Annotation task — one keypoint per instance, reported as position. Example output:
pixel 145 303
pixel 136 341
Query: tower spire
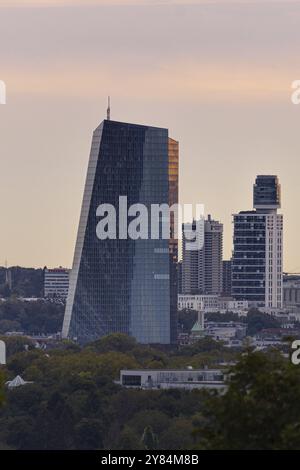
pixel 108 109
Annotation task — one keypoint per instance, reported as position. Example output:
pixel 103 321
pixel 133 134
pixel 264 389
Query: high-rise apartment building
pixel 125 285
pixel 202 268
pixel 192 270
pixel 213 256
pixel 257 265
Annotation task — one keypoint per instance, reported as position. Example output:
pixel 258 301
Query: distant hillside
pixel 25 282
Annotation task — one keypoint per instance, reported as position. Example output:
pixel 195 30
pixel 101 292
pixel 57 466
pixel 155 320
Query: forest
pixel 74 401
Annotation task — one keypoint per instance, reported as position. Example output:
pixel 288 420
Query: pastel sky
pixel 217 73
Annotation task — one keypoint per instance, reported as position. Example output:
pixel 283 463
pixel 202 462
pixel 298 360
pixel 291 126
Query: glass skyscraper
pixel 125 285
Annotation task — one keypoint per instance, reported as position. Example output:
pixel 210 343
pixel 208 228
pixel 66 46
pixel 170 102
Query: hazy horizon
pixel 217 73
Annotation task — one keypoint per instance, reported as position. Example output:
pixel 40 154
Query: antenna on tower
pixel 108 109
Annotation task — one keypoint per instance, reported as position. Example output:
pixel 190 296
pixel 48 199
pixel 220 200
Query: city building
pixel 212 304
pixel 202 268
pixel 213 255
pixel 193 259
pixel 179 277
pixel 227 273
pixel 56 283
pixel 121 284
pixel 226 332
pixel 203 303
pixel 266 194
pixel 173 378
pixel 229 304
pixel 257 264
pixel 291 291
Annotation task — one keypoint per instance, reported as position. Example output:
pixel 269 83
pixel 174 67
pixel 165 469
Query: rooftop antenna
pixel 108 109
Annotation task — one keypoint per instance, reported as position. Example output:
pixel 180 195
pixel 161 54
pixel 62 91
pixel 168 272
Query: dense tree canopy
pixel 33 317
pixel 26 282
pixel 257 321
pixel 261 409
pixel 74 401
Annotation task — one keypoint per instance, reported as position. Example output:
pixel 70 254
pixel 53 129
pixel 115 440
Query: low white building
pixel 204 303
pixel 173 378
pixel 56 283
pixel 225 331
pixel 226 304
pixel 212 304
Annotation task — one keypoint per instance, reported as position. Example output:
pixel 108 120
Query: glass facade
pixel 257 262
pixel 266 192
pixel 125 285
pixel 249 257
pixel 173 199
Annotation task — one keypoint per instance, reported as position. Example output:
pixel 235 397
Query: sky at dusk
pixel 217 73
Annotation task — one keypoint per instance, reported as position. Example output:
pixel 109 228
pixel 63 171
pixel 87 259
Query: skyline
pixel 219 79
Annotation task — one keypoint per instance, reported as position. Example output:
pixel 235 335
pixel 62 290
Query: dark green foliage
pixel 223 317
pixel 186 320
pixel 74 402
pixel 31 317
pixel 257 321
pixel 261 409
pixel 114 342
pixel 149 439
pixel 26 282
pixel 16 344
pixel 206 344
